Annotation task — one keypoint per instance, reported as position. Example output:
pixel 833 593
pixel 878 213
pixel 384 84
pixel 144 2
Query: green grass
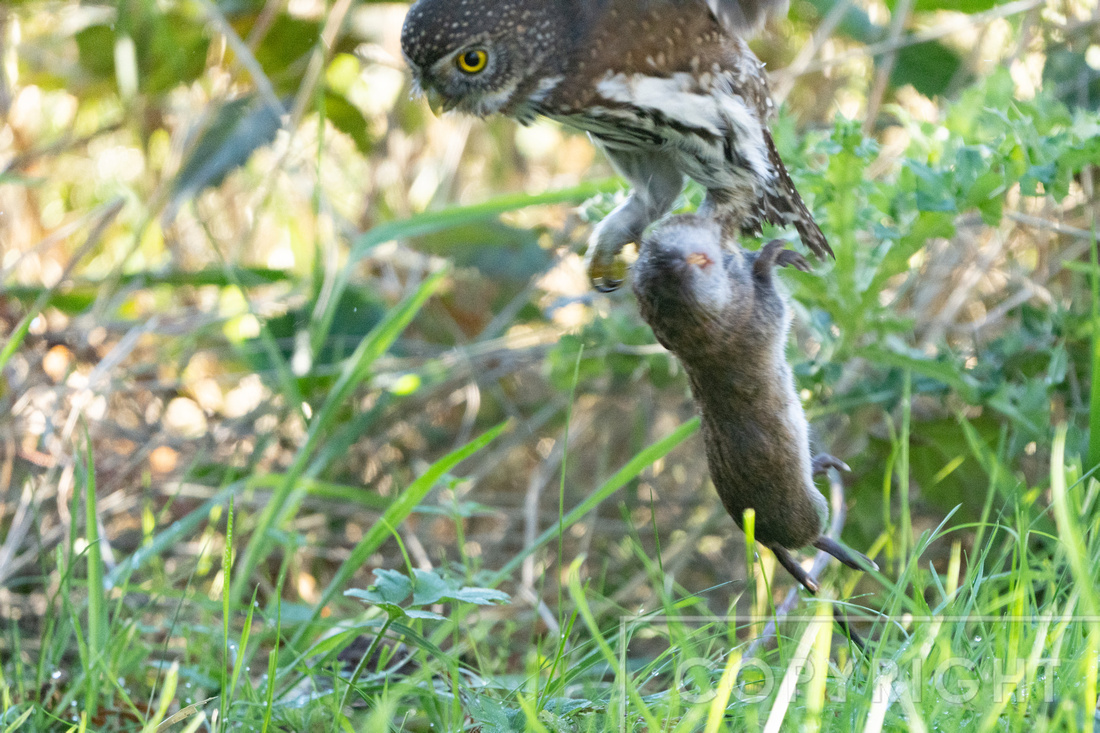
pixel 1003 637
pixel 371 544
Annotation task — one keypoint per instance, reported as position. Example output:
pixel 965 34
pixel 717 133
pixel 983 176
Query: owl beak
pixel 436 101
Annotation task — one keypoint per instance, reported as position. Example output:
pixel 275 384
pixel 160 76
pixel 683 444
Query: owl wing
pixel 745 17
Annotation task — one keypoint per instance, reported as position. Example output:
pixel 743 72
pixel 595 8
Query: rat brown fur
pixel 719 310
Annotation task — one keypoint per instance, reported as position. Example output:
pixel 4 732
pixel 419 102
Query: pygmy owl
pixel 666 88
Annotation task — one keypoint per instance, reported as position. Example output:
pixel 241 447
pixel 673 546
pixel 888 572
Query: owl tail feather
pixel 784 207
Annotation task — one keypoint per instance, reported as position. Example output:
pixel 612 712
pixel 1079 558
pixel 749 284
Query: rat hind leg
pixel 851 558
pixel 793 568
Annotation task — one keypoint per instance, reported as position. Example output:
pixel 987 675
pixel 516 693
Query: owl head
pixel 481 56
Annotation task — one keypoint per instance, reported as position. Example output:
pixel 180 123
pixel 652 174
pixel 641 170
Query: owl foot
pixel 605 270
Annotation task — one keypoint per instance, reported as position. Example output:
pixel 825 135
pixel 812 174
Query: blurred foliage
pixel 233 246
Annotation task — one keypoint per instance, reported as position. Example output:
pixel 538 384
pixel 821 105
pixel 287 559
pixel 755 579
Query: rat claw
pixel 774 253
pixel 792 567
pixel 822 462
pixel 789 257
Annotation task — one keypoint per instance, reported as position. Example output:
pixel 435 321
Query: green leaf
pixel 392 610
pixel 238 129
pixel 390 586
pixel 428 588
pixel 402 506
pixel 347 118
pixel 929 67
pixel 421 613
pixel 480 596
pixel 948 373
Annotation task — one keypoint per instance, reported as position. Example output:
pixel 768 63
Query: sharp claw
pixel 603 276
pixel 790 258
pixel 823 461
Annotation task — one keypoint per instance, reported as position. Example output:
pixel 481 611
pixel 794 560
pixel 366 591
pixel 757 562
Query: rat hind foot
pixel 822 462
pixel 794 568
pixel 790 258
pixel 851 558
pixel 775 253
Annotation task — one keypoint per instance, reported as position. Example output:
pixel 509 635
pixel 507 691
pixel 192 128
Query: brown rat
pixel 718 309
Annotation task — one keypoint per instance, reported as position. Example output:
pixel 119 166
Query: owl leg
pixel 657 182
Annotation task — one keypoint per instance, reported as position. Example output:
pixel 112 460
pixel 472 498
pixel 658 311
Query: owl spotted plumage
pixel 666 88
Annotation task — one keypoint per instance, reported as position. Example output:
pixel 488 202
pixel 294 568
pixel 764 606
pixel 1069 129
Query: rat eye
pixel 473 61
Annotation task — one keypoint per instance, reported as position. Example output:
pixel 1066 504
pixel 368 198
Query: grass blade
pixel 1069 534
pixel 109 212
pixel 174 533
pixel 227 568
pixel 1094 393
pixel 624 475
pixel 436 221
pixel 394 515
pixel 355 370
pixel 613 660
pixel 242 644
pixel 97 603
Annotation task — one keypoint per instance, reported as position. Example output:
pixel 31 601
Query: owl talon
pixel 607 275
pixel 606 285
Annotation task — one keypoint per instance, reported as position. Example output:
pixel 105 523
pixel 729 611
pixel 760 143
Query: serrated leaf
pixel 428 588
pixel 389 586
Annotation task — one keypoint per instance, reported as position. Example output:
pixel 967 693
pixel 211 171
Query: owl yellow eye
pixel 473 61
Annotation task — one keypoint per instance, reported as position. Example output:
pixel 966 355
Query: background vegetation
pixel 310 420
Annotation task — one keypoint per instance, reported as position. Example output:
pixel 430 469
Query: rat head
pixel 480 56
pixel 686 282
